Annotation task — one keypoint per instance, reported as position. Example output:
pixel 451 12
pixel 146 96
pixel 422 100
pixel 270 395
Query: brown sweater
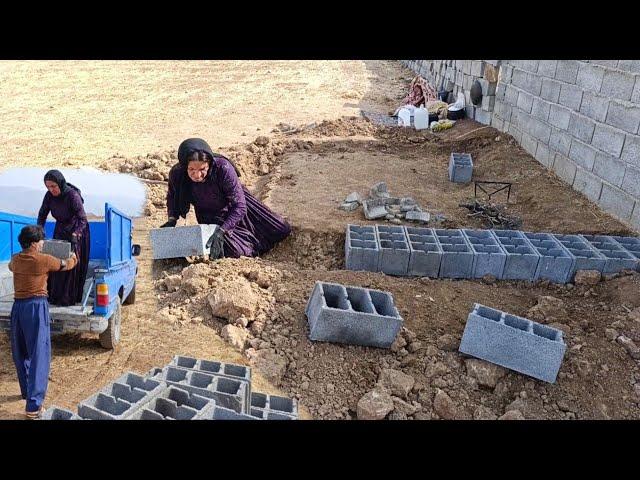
pixel 31 270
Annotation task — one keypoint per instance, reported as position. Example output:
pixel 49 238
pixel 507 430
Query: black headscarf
pixel 183 184
pixel 57 177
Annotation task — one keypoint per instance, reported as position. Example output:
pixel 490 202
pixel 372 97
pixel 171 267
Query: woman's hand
pixel 215 244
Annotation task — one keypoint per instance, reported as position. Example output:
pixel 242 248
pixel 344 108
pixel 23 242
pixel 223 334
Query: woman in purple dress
pixel 210 183
pixel 64 202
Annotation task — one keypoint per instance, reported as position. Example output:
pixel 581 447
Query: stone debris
pixel 380 204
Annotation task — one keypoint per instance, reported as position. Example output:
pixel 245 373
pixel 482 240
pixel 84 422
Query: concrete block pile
pixel 504 254
pixel 381 205
pixel 180 242
pixel 186 389
pixel 352 315
pixel 513 342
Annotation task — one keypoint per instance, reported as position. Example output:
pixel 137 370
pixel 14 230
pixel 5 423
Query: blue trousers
pixel 31 348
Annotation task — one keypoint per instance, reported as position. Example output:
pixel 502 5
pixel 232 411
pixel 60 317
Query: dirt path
pixel 305 176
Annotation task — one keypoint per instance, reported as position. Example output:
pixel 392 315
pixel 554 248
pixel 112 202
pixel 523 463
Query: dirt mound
pixel 343 127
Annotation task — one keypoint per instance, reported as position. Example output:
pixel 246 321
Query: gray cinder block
pixel 522 259
pixel 57 413
pixel 425 252
pixel 240 373
pixel 213 367
pixel 489 257
pixel 617 258
pixel 352 315
pixel 585 256
pixel 221 413
pixel 631 245
pixel 460 167
pixel 374 208
pixel 58 248
pixel 180 242
pixel 273 407
pixel 555 261
pixel 394 251
pixel 361 248
pixel 175 404
pixel 513 342
pixel 420 217
pixel 120 399
pixel 457 256
pixel 227 392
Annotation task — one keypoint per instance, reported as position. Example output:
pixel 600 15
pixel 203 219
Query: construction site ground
pixel 296 134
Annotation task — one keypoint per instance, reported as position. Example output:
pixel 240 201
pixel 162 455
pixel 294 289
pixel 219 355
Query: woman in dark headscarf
pixel 210 183
pixel 64 202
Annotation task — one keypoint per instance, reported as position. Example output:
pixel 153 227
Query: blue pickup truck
pixel 110 282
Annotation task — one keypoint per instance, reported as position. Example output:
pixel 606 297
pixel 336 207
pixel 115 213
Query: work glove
pixel 170 223
pixel 215 244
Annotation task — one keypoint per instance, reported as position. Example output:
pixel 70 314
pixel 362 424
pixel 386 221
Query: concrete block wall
pixel 579 118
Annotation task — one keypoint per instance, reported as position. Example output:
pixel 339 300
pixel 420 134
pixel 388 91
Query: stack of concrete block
pixel 394 250
pixel 425 252
pixel 513 342
pixel 555 261
pixel 121 398
pixel 585 256
pixel 352 315
pixel 58 248
pixel 227 392
pixel 180 242
pixel 273 407
pixel 361 248
pixel 617 257
pixel 175 404
pixel 488 256
pixel 187 388
pixel 457 255
pixel 460 167
pixel 240 373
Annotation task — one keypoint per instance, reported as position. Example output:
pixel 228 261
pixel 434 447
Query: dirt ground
pixel 305 175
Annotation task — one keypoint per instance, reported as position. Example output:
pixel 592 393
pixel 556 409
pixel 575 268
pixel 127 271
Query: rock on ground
pixel 487 374
pixel 398 383
pixel 233 299
pixel 236 336
pixel 444 406
pixel 512 415
pixel 448 342
pixel 375 405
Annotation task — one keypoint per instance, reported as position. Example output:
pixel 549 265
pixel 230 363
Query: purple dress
pixel 252 229
pixel 65 288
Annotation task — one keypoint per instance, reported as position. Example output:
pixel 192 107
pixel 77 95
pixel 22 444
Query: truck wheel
pixel 111 336
pixel 131 299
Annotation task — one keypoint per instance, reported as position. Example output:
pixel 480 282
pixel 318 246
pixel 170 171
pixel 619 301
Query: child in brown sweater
pixel 30 320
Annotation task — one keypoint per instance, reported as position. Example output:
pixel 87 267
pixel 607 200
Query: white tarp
pixel 22 190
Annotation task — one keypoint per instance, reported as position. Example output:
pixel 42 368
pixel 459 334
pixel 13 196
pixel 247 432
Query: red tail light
pixel 102 294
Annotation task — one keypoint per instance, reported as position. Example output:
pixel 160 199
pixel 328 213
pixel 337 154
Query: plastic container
pixel 421 119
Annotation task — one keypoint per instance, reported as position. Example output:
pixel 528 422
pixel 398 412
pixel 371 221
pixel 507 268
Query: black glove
pixel 215 244
pixel 170 223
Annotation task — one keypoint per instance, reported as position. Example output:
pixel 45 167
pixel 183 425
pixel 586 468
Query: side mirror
pixel 135 250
